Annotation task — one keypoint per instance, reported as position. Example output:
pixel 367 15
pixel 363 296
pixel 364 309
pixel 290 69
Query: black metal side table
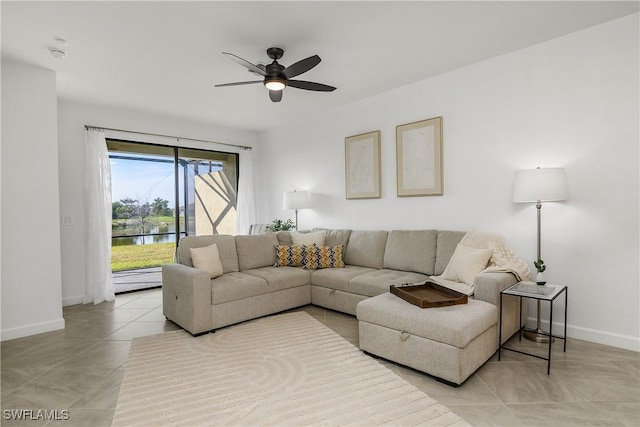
pixel 532 290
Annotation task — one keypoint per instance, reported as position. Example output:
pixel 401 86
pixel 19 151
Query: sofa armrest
pixel 488 287
pixel 186 297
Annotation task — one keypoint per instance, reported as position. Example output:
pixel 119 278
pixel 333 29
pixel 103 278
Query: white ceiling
pixel 165 57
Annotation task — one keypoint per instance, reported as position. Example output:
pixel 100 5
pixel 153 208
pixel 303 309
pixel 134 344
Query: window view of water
pixel 152 186
pixel 149 238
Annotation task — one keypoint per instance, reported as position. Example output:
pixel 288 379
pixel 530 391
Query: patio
pixel 133 280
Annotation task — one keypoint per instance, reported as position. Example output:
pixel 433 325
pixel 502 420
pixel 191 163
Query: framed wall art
pixel 362 166
pixel 419 158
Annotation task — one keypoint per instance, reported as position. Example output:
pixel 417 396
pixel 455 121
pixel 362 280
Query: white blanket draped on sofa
pixel 502 260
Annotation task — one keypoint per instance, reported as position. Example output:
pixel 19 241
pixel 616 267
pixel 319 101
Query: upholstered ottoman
pixel 449 343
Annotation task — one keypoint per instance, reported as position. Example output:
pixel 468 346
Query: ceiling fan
pixel 277 77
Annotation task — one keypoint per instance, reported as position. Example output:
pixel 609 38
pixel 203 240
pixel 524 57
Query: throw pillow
pixel 207 258
pixel 466 263
pixel 300 239
pixel 292 256
pixel 323 257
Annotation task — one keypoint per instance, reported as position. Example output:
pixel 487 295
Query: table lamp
pixel 295 200
pixel 538 186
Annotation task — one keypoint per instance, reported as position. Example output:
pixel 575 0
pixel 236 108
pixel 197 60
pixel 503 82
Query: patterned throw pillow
pixel 323 257
pixel 292 256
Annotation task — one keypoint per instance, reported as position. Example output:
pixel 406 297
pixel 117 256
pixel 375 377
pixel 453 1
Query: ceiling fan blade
pixel 245 63
pixel 319 87
pixel 239 83
pixel 275 95
pixel 301 66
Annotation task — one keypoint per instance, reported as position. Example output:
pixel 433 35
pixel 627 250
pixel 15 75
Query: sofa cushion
pixel 317 257
pixel 207 258
pixel 335 237
pixel 284 238
pixel 315 238
pixel 226 247
pixel 337 278
pixel 292 256
pixel 378 281
pixel 236 286
pixel 411 250
pixel 366 248
pixel 256 251
pixel 447 242
pixel 279 278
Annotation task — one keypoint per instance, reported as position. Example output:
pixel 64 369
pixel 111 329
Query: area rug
pixel 283 370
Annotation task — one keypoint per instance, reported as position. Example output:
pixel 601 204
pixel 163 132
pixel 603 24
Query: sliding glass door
pixel 162 193
pixel 209 182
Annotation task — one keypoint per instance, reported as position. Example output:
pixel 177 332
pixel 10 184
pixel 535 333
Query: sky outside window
pixel 142 180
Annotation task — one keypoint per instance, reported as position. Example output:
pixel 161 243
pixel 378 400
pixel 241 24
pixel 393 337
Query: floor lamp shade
pixel 294 200
pixel 540 185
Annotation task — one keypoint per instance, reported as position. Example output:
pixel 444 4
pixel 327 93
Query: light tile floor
pixel 80 370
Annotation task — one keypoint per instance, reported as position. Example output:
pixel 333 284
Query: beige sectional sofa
pixel 252 287
pixel 449 343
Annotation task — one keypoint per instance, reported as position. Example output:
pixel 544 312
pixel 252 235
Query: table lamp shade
pixel 294 200
pixel 540 185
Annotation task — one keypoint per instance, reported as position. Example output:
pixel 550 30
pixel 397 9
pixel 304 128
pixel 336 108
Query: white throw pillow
pixel 207 258
pixel 466 263
pixel 301 239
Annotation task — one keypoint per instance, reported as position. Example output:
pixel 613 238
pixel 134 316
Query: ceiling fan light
pixel 274 83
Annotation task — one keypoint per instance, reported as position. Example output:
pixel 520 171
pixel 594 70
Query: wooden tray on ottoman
pixel 428 295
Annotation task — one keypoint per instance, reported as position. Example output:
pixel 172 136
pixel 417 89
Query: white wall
pixel 73 116
pixel 31 284
pixel 571 102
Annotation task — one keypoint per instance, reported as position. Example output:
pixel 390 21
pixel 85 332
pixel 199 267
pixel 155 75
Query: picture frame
pixel 419 158
pixel 362 166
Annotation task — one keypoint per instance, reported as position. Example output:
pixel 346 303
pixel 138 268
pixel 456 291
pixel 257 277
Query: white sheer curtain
pixel 246 207
pixel 97 213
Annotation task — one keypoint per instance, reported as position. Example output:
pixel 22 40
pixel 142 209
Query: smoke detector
pixel 57 53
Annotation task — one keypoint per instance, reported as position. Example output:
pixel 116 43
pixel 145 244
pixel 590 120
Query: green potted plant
pixel 539 264
pixel 279 225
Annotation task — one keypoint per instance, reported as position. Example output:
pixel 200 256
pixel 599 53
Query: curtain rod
pixel 244 147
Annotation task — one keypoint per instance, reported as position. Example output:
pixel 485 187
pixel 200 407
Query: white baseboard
pixel 593 335
pixel 33 329
pixel 72 300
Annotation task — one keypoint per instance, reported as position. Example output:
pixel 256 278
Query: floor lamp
pixel 539 186
pixel 295 200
